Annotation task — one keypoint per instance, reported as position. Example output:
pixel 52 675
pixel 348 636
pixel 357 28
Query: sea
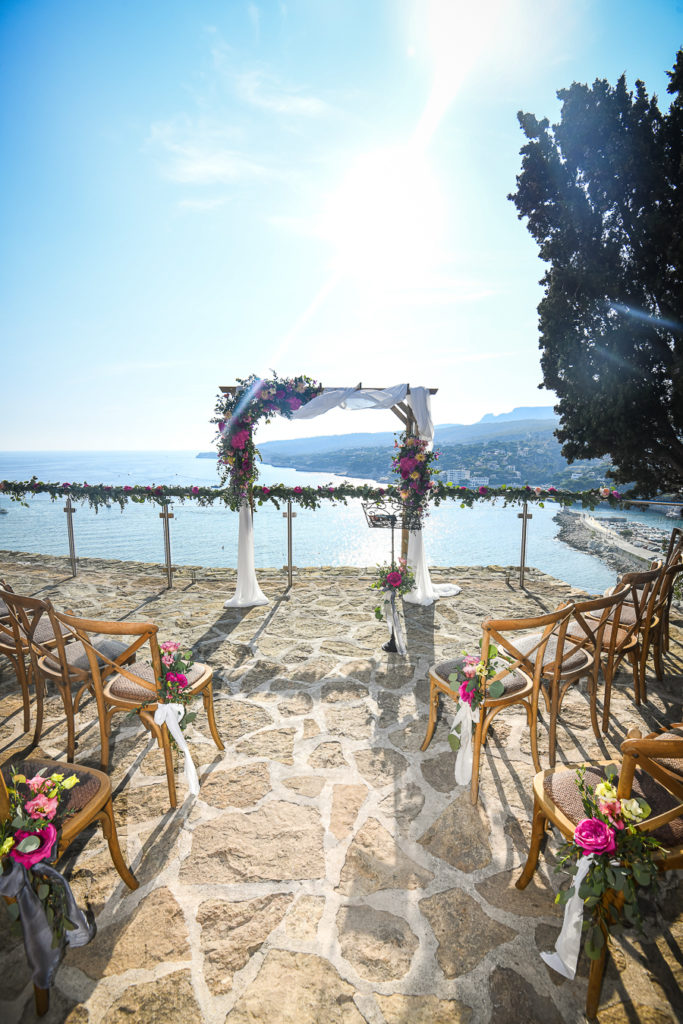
pixel 334 535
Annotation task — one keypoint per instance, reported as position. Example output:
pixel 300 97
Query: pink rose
pixel 594 836
pixel 483 490
pixel 42 806
pixel 195 490
pixel 552 490
pixel 239 439
pixel 168 659
pixel 127 488
pixel 294 403
pixel 181 680
pixel 394 579
pixel 298 490
pixel 266 490
pixel 469 670
pixel 465 694
pixel 47 837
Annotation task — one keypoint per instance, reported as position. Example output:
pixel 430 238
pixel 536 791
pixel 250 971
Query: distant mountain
pixel 522 412
pixel 525 421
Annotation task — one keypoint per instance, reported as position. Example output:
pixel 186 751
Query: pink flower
pixel 47 837
pixel 42 806
pixel 469 669
pixel 406 465
pixel 483 490
pixel 615 494
pixel 170 645
pixel 280 393
pixel 331 490
pixel 66 485
pixel 181 680
pixel 221 426
pixel 168 659
pixel 298 490
pixel 127 488
pixel 266 490
pixel 552 490
pixel 195 490
pixel 594 836
pixel 239 439
pixel 36 783
pixel 465 694
pixel 612 811
pixel 394 579
pixel 604 492
pixel 294 403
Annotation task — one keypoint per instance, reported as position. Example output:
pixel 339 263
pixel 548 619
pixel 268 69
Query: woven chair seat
pixel 513 683
pixel 572 661
pixel 72 800
pixel 673 764
pixel 77 657
pixel 563 790
pixel 126 689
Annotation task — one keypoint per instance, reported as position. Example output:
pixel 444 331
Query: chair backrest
pixel 666 590
pixel 675 548
pixel 591 618
pixel 25 616
pixel 101 664
pixel 661 756
pixel 531 660
pixel 644 587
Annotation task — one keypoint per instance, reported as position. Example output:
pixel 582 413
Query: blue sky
pixel 193 191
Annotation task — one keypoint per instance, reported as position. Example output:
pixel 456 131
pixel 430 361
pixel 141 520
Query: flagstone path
pixel 328 871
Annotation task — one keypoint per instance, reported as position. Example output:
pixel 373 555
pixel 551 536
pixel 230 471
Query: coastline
pixel 622 546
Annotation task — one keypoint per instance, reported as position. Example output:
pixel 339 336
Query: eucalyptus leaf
pixel 43 891
pixel 641 873
pixel 28 844
pixel 454 742
pixel 496 689
pixel 13 911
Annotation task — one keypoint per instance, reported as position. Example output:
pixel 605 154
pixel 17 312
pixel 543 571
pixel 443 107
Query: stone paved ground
pixel 328 871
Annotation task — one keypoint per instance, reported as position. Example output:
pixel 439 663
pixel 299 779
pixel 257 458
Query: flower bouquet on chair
pixel 469 678
pixel 392 580
pixel 43 908
pixel 173 697
pixel 609 858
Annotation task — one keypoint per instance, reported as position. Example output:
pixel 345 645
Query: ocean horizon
pixel 334 535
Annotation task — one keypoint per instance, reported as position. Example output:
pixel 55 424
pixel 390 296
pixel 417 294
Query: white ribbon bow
pixel 393 620
pixel 171 714
pixel 465 718
pixel 566 954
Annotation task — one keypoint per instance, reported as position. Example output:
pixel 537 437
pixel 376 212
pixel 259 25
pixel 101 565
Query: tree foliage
pixel 601 191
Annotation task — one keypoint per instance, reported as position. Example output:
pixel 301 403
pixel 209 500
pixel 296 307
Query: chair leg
pixel 41 997
pixel 537 835
pixel 597 970
pixel 533 730
pixel 552 729
pixel 609 672
pixel 593 694
pixel 106 817
pixel 433 710
pixel 25 696
pixel 70 728
pixel 207 697
pixel 40 698
pixel 165 745
pixel 476 756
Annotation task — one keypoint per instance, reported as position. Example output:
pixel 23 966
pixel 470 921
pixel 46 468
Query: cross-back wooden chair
pixel 134 687
pixel 659 638
pixel 651 768
pixel 519 673
pixel 629 635
pixel 19 626
pixel 88 801
pixel 36 628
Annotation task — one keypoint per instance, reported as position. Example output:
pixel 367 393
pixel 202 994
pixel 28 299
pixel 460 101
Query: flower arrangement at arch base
pixel 395 580
pixel 619 860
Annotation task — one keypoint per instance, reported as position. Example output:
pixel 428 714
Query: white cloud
pixel 199 155
pixel 265 92
pixel 201 204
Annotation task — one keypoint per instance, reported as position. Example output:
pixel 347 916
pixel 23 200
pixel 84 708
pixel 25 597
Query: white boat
pixel 675 512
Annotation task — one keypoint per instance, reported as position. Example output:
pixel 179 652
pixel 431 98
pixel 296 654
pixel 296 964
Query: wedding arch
pixel 241 406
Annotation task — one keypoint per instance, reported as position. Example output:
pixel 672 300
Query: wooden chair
pixel 628 632
pixel 651 768
pixel 90 800
pixel 520 674
pixel 36 631
pixel 659 636
pixel 15 644
pixel 134 688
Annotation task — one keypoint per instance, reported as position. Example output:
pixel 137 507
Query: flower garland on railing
pixel 238 414
pixel 413 463
pixel 102 495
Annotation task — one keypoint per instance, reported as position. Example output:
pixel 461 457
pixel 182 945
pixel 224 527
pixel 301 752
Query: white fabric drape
pixel 566 954
pixel 248 594
pixel 171 714
pixel 394 622
pixel 462 727
pixel 351 398
pixel 424 592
